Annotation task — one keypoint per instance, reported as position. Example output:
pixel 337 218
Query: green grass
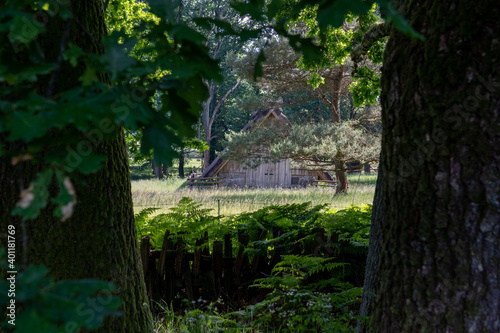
pixel 167 193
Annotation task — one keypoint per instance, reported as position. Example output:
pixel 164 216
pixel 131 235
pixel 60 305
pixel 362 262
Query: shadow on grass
pixel 141 171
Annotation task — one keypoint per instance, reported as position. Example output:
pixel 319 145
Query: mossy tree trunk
pixel 372 280
pixel 99 240
pixel 439 262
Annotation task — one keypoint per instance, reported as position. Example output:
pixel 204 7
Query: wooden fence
pixel 222 272
pixel 206 181
pixel 320 182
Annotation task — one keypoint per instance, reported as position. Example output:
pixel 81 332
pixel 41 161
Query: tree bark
pixel 439 262
pixel 157 171
pixel 205 120
pixel 341 175
pixel 99 240
pixel 334 105
pixel 208 120
pixel 367 169
pixel 181 164
pixel 371 274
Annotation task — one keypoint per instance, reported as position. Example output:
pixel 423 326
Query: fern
pixel 142 221
pixel 311 293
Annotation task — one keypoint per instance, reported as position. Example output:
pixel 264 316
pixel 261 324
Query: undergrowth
pixel 305 292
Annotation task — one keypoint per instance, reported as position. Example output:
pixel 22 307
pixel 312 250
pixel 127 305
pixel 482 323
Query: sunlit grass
pixel 167 193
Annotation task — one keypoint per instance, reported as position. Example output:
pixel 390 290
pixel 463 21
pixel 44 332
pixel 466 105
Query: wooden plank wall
pixel 265 175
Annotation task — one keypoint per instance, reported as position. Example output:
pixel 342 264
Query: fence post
pixel 218 263
pixel 258 262
pixel 144 250
pixel 228 263
pixel 242 258
pixel 218 212
pixel 163 256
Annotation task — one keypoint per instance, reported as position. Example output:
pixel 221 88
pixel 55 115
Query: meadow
pixel 165 194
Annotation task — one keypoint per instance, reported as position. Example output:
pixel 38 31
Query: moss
pixel 99 240
pixel 433 246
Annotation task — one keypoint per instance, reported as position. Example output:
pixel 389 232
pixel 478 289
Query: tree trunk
pixel 334 105
pixel 208 120
pixel 206 153
pixel 181 164
pixel 367 168
pixel 372 275
pixel 205 120
pixel 439 263
pixel 157 170
pixel 99 240
pixel 164 170
pixel 341 175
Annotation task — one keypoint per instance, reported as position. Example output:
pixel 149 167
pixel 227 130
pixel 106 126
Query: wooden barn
pixel 279 174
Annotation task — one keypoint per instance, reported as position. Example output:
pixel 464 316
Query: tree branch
pixel 222 101
pixel 376 31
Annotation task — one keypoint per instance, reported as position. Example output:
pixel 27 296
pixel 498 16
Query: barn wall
pixel 233 174
pixel 302 177
pixel 266 175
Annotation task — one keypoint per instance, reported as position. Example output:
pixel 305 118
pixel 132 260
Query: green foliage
pixel 196 144
pixel 352 224
pixel 293 269
pixel 144 224
pixel 47 306
pixel 133 141
pixel 187 220
pixel 309 145
pixel 324 20
pixel 132 17
pixel 305 292
pixel 315 80
pixel 393 15
pixel 194 319
pixel 36 196
pixel 366 88
pixel 151 54
pixel 305 306
pixel 93 110
pixel 297 223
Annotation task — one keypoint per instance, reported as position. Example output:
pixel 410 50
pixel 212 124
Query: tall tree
pixel 99 240
pixel 439 261
pixel 67 92
pixel 219 44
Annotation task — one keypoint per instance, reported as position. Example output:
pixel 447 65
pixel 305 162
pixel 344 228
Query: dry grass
pixel 167 193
